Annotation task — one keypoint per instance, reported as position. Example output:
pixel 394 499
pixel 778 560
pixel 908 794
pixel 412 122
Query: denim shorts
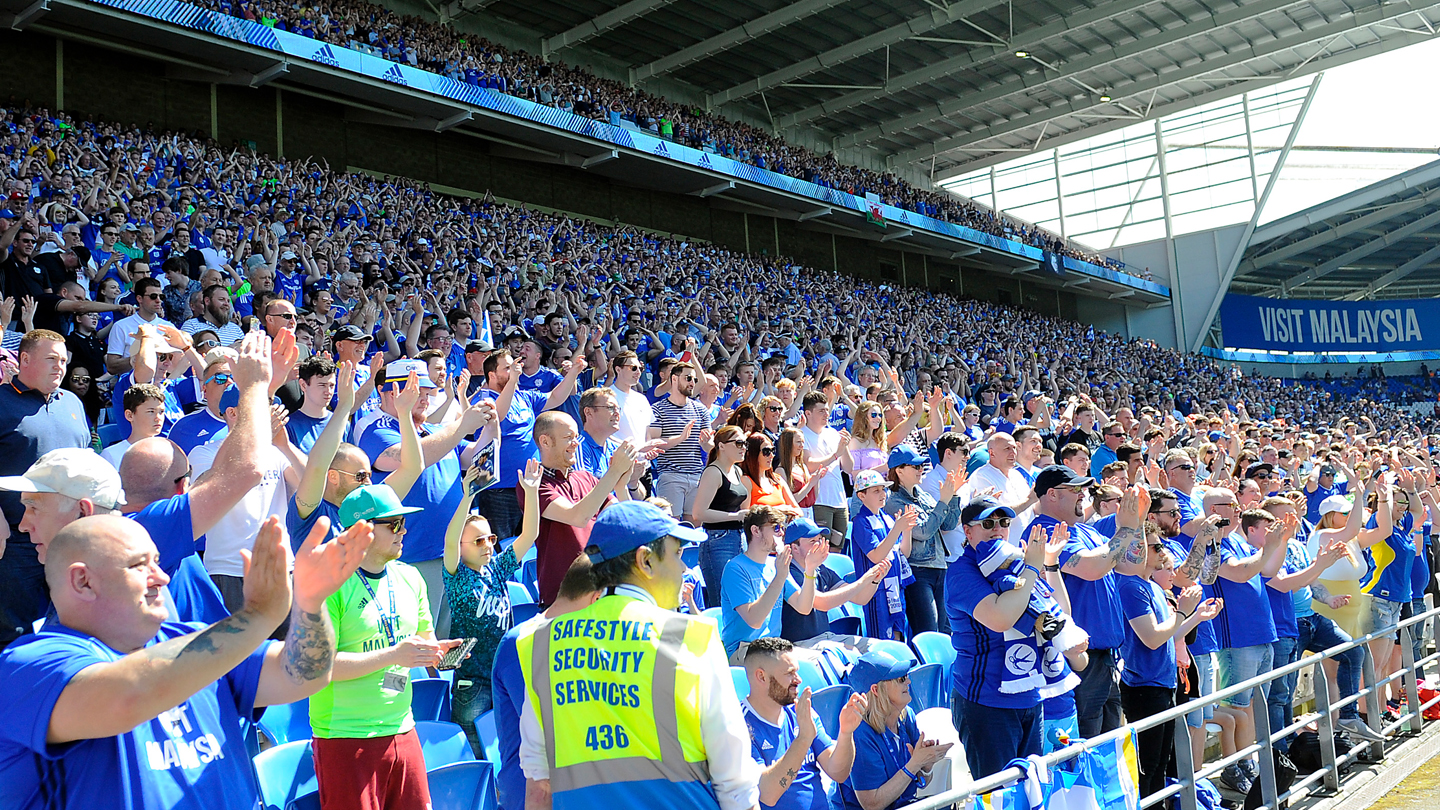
pixel 1205 666
pixel 1240 664
pixel 1384 613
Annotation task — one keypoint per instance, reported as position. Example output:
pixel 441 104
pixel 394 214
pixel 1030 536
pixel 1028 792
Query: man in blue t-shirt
pixel 195 429
pixel 786 735
pixel 1245 629
pixel 753 585
pixel 1321 485
pixel 444 457
pixel 516 411
pixel 111 700
pixel 996 678
pixel 317 387
pixel 1088 563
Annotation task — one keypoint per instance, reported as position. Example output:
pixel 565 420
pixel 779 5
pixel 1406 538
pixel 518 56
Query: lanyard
pixel 387 620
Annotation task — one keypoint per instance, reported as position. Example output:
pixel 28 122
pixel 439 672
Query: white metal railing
pixel 1331 760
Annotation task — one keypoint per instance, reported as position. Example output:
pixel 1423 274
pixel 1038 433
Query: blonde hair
pixel 878 708
pixel 866 432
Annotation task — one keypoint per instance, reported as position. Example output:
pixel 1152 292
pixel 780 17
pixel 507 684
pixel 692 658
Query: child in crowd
pixel 476 586
pixel 145 411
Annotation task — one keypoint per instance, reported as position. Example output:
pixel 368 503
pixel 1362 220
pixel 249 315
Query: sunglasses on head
pixel 990 523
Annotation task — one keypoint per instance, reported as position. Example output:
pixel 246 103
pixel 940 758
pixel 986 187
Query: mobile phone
pixel 1223 523
pixel 453 658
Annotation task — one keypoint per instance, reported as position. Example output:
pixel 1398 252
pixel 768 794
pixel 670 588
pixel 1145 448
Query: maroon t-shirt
pixel 559 543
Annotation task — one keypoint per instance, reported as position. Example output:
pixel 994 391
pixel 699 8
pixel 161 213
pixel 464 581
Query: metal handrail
pixel 1331 761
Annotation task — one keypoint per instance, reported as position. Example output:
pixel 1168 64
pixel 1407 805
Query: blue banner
pixel 1287 325
pixel 337 57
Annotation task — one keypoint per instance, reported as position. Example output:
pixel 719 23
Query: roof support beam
pixel 1029 81
pixel 900 234
pixel 920 24
pixel 1397 235
pixel 594 27
pixel 1369 15
pixel 19 19
pixel 1360 198
pixel 970 59
pixel 1419 262
pixel 1263 260
pixel 718 188
pixel 741 33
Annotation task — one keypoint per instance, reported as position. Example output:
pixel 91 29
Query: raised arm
pixel 237 463
pixel 322 452
pixel 1127 544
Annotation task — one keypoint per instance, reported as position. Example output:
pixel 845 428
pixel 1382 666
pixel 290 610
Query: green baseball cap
pixel 370 502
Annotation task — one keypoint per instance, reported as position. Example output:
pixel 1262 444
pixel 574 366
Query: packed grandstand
pixel 326 488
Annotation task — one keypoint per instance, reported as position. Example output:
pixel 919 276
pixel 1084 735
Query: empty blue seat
pixel 827 704
pixel 927 687
pixel 934 648
pixel 847 626
pixel 430 699
pixel 690 555
pixel 285 773
pixel 842 565
pixel 443 743
pixel 287 722
pixel 742 682
pixel 485 727
pixel 519 594
pixel 811 675
pixel 521 612
pixel 112 434
pixel 899 649
pixel 462 786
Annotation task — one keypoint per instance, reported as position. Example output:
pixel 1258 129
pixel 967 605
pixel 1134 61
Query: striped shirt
pixel 686 457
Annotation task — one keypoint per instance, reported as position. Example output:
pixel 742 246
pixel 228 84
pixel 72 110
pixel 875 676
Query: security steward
pixel 627 703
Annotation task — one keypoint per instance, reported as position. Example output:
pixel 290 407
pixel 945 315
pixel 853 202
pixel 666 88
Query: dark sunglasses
pixel 1185 467
pixel 152 296
pixel 360 477
pixel 223 379
pixel 767 451
pixel 289 316
pixel 186 475
pixel 395 524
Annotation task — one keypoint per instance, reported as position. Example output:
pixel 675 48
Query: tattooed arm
pixel 777 778
pixel 111 698
pixel 1189 569
pixel 1128 544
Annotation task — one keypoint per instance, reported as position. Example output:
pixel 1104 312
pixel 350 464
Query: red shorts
pixel 378 773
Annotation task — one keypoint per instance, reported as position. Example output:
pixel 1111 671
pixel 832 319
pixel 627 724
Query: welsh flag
pixel 873 212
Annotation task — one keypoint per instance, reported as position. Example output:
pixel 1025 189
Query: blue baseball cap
pixel 876 666
pixel 804 529
pixel 628 525
pixel 984 508
pixel 904 455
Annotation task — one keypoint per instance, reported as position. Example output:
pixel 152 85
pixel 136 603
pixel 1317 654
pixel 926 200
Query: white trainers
pixel 1356 726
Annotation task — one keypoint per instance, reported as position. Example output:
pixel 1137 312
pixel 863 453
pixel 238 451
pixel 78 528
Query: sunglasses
pixel 207 344
pixel 736 442
pixel 1157 546
pixel 1164 511
pixel 81 380
pixel 395 524
pixel 774 408
pixel 151 296
pixel 360 477
pixel 1185 467
pixel 223 379
pixel 186 475
pixel 990 523
pixel 485 539
pixel 1109 500
pixel 767 451
pixel 289 316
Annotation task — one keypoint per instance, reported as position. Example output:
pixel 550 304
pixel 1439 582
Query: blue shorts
pixel 1205 665
pixel 1240 664
pixel 1383 614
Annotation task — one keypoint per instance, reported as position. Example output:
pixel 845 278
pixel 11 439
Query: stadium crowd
pixel 270 432
pixel 442 49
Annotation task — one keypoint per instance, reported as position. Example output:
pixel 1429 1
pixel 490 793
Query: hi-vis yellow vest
pixel 616 689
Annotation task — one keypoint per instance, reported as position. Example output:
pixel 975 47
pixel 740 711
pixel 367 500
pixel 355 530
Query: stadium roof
pixel 940 87
pixel 1380 241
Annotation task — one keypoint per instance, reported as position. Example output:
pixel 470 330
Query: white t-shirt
pixel 831 489
pixel 1010 490
pixel 635 416
pixel 238 528
pixel 120 331
pixel 115 452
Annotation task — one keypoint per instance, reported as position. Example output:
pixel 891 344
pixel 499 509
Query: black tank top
pixel 728 498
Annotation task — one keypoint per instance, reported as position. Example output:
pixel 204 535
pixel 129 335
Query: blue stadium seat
pixel 847 620
pixel 927 687
pixel 519 594
pixel 485 727
pixel 529 574
pixel 462 786
pixel 523 612
pixel 842 565
pixel 690 555
pixel 899 649
pixel 827 704
pixel 112 434
pixel 811 675
pixel 711 613
pixel 430 699
pixel 287 722
pixel 742 683
pixel 443 743
pixel 285 773
pixel 935 648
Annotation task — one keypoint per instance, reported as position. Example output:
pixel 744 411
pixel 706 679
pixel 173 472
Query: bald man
pixel 114 701
pixel 156 473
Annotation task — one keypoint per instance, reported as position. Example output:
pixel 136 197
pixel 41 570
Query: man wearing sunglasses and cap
pixel 367 753
pixel 628 702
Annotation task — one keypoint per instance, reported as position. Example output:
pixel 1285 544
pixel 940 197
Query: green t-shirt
pixel 364 707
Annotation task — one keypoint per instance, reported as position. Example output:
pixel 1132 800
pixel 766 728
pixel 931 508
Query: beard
pixel 782 695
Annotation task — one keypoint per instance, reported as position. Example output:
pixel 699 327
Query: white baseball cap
pixel 1335 503
pixel 77 473
pixel 868 478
